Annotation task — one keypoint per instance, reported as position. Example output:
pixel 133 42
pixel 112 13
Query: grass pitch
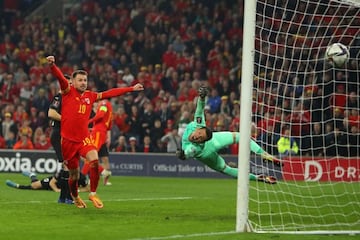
pixel 134 208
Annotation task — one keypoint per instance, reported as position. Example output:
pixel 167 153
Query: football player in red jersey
pixel 102 123
pixel 77 103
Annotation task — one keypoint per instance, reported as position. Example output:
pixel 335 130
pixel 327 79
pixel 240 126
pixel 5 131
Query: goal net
pixel 307 114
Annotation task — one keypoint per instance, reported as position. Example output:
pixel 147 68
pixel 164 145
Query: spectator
pixel 214 101
pixel 26 91
pixel 146 146
pixel 43 143
pixel 269 140
pixel 225 106
pixel 8 126
pixel 156 131
pixel 2 142
pixel 128 77
pixel 317 141
pixel 25 142
pixel 120 117
pixel 354 141
pixel 133 121
pixel 41 101
pixel 10 142
pixel 147 119
pixel 335 141
pixel 9 90
pixel 120 145
pixel 133 145
pixel 286 144
pixel 172 140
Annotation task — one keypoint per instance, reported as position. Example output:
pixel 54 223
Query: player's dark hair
pixel 75 73
pixel 209 133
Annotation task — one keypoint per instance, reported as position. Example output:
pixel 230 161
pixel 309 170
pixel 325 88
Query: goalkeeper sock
pixel 252 177
pixel 233 172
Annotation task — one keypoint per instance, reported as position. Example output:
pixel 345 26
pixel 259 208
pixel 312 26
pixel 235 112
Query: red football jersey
pixel 104 116
pixel 75 113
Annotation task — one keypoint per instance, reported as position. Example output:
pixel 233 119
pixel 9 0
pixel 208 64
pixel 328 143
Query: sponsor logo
pixel 18 163
pixel 322 169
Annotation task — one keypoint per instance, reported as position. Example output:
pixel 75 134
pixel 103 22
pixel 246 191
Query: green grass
pixel 135 208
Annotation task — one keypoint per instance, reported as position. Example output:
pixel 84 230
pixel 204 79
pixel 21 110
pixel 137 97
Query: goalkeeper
pixel 201 143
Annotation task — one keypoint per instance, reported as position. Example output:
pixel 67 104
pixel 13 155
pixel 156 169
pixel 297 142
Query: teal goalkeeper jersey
pixel 194 149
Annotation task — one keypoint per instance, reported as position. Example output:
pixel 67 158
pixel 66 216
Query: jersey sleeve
pixel 64 83
pixel 199 116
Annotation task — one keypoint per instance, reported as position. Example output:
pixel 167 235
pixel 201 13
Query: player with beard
pixel 77 104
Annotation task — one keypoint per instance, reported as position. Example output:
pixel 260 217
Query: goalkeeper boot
pixel 79 203
pixel 267 179
pixel 270 158
pixel 12 184
pixel 96 200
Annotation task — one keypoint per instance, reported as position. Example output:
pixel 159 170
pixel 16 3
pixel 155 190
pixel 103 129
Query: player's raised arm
pixel 99 114
pixel 119 91
pixel 199 116
pixel 64 84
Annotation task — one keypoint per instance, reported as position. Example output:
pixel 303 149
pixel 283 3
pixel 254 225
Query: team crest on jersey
pixel 56 104
pixel 87 100
pixel 198 119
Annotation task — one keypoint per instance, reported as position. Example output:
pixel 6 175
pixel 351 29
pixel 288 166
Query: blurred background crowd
pixel 173 47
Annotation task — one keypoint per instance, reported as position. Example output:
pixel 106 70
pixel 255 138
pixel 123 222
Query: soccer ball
pixel 337 54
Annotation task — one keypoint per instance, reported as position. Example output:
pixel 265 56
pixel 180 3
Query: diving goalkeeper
pixel 201 143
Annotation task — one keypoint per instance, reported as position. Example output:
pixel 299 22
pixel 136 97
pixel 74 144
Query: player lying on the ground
pixel 201 143
pixel 50 183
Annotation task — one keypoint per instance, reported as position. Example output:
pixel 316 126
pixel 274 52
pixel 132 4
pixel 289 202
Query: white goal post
pixel 291 93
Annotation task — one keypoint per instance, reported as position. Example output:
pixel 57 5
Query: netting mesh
pixel 307 113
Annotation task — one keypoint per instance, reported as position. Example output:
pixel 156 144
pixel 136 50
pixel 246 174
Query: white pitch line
pixel 186 236
pixel 106 200
pixel 149 199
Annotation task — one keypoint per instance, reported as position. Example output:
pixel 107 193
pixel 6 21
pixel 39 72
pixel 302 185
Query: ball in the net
pixel 337 54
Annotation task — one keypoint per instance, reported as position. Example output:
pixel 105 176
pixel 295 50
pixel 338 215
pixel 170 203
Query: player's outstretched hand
pixel 138 87
pixel 203 91
pixel 50 60
pixel 180 154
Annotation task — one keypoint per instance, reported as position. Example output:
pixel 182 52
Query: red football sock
pixel 94 175
pixel 101 168
pixel 85 169
pixel 73 187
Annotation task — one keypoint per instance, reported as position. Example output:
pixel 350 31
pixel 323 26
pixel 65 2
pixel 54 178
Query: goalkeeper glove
pixel 270 158
pixel 203 91
pixel 180 154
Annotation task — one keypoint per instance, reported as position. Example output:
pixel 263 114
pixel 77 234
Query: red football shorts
pixel 73 150
pixel 99 138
